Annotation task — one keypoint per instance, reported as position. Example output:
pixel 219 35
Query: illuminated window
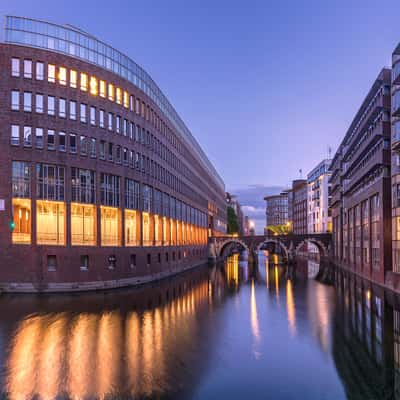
pixel 73 78
pixel 119 95
pixel 110 226
pixel 111 92
pixel 157 230
pixel 84 82
pixel 126 99
pixel 15 135
pixel 51 73
pixel 22 221
pixel 102 88
pixel 83 224
pixel 50 222
pixel 147 229
pixel 132 228
pixel 93 86
pixel 62 76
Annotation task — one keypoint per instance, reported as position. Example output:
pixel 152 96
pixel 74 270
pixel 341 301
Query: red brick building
pixel 101 182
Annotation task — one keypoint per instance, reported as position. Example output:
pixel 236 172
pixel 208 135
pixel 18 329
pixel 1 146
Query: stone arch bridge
pixel 290 245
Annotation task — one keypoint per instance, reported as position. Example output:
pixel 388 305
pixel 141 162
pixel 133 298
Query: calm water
pixel 266 332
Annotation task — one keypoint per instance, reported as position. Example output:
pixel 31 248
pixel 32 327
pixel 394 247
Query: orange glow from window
pixel 126 99
pixel 84 82
pixel 93 86
pixel 102 88
pixel 110 92
pixel 50 222
pixel 73 78
pixel 62 76
pixel 22 221
pixel 119 95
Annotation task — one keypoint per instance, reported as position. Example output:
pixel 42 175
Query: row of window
pixel 51 185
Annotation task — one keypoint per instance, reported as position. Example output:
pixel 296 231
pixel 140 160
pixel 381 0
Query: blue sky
pixel 264 86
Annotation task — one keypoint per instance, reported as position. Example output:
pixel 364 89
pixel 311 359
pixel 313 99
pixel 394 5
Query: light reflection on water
pixel 229 331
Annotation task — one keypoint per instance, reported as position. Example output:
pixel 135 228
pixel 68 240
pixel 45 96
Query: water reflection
pixel 235 329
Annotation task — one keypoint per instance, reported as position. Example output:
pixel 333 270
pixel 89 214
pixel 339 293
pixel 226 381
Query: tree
pixel 233 225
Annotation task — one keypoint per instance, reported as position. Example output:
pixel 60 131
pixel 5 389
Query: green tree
pixel 233 225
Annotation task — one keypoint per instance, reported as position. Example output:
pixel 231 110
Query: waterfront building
pixel 232 201
pixel 276 211
pixel 299 207
pixel 101 182
pixel 319 218
pixel 360 187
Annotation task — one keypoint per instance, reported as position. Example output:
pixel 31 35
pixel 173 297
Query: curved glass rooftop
pixel 76 43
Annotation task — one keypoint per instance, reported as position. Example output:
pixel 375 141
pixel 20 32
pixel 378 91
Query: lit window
pixel 22 221
pixel 110 226
pixel 102 89
pixel 15 100
pixel 27 101
pixel 132 228
pixel 147 229
pixel 73 78
pixel 15 135
pixel 51 73
pixel 83 224
pixel 62 76
pixel 111 92
pixel 15 65
pixel 93 86
pixel 39 71
pixel 84 82
pixel 119 95
pixel 50 222
pixel 28 69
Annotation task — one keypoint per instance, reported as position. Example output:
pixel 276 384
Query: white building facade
pixel 319 219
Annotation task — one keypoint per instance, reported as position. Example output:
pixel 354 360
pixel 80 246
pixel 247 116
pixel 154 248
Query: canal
pixel 231 331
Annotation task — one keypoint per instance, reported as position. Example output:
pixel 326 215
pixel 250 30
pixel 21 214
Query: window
pixel 132 228
pixel 52 263
pixel 83 224
pixel 28 69
pixel 50 139
pixel 15 135
pixel 110 151
pixel 83 113
pixel 126 99
pixel 39 71
pixel 50 222
pixel 84 262
pixel 110 92
pixel 27 136
pixel 50 182
pixel 51 105
pixel 21 179
pixel 102 89
pixel 110 124
pixel 118 124
pixel 126 127
pixel 62 145
pixel 119 95
pixel 15 65
pixel 15 100
pixel 118 154
pixel 72 143
pixel 110 188
pixel 93 86
pixel 62 108
pixel 93 147
pixel 83 186
pixel 125 156
pixel 39 138
pixel 27 101
pixel 83 145
pixel 73 78
pixel 92 115
pixel 62 76
pixel 51 73
pixel 39 103
pixel 132 103
pixel 22 219
pixel 101 118
pixel 110 222
pixel 72 110
pixel 102 150
pixel 84 82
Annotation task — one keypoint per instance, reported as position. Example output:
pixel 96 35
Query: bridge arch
pixel 276 242
pixel 323 251
pixel 225 243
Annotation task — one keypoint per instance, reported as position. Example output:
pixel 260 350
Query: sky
pixel 266 87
